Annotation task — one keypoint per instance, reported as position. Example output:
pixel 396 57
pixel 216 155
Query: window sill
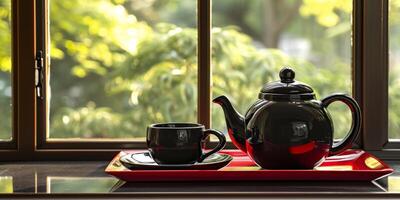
pixel 87 179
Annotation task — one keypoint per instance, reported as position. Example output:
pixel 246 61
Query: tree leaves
pixel 112 74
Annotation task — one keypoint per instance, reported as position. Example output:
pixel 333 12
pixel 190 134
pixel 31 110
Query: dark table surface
pixel 88 179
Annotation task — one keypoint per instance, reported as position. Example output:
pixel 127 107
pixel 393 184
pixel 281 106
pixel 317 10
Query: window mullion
pixel 42 44
pixel 25 97
pixel 204 62
pixel 372 70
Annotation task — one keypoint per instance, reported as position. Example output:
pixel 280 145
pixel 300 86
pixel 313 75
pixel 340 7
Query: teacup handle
pixel 221 144
pixel 355 125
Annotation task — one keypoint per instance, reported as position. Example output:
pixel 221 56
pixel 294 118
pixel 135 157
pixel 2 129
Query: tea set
pixel 286 128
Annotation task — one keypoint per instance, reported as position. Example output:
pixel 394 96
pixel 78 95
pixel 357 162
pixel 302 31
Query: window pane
pixel 252 40
pixel 120 65
pixel 5 70
pixel 394 69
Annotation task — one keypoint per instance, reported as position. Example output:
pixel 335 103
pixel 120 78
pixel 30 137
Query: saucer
pixel 144 161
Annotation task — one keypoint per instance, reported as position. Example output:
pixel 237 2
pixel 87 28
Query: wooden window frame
pixel 369 72
pixel 371 77
pixel 22 47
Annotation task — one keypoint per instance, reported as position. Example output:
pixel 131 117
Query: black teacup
pixel 180 143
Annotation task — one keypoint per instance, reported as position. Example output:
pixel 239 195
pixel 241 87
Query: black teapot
pixel 287 128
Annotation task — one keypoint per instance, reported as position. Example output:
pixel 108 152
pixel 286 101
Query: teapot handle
pixel 355 125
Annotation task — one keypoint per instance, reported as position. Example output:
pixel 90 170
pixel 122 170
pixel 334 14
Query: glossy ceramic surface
pixel 287 128
pixel 144 161
pixel 288 135
pixel 180 143
pixel 350 165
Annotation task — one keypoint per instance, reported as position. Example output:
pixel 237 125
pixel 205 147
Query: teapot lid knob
pixel 287 75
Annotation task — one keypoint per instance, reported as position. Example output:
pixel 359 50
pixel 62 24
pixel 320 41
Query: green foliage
pixel 394 70
pixel 326 12
pixel 89 122
pixel 5 36
pixel 116 69
pixel 240 70
pixel 394 104
pixel 153 78
pixel 159 81
pixel 5 69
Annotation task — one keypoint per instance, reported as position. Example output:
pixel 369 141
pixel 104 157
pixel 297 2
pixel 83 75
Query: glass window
pixel 394 69
pixel 252 40
pixel 5 70
pixel 120 65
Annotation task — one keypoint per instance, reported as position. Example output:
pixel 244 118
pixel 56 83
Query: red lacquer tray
pixel 351 165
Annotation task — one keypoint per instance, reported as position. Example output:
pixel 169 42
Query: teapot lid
pixel 287 88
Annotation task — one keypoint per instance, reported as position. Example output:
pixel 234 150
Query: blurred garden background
pixel 120 65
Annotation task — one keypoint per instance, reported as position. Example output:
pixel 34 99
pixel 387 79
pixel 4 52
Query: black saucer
pixel 144 161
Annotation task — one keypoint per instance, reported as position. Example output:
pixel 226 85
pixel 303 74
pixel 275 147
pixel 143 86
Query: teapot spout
pixel 234 122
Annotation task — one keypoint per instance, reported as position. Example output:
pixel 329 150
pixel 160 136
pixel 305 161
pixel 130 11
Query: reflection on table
pixel 59 184
pixel 6 184
pixel 80 184
pixel 89 177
